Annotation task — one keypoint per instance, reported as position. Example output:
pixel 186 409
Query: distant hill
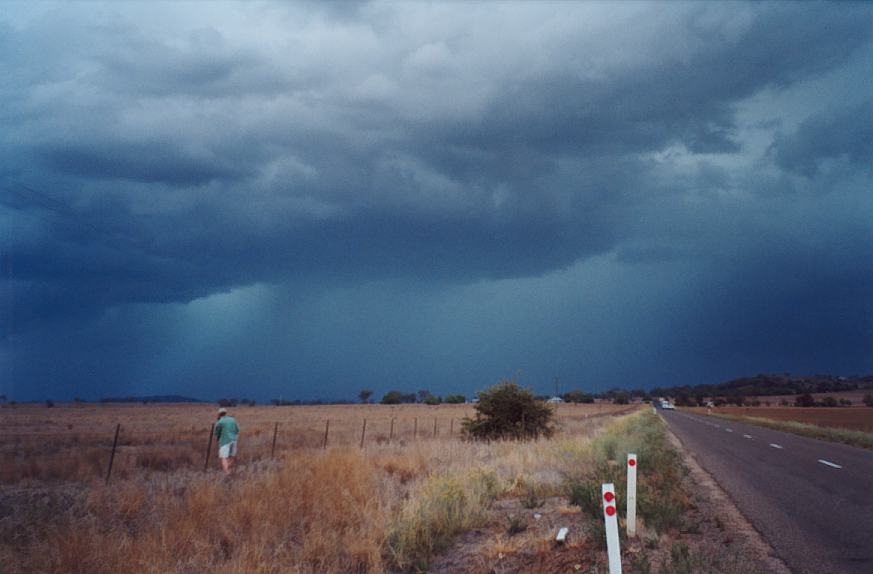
pixel 770 385
pixel 152 399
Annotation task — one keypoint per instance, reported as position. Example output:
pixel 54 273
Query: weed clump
pixel 444 506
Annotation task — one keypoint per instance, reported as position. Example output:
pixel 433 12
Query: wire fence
pixel 88 454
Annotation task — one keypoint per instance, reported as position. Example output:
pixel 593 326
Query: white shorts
pixel 227 450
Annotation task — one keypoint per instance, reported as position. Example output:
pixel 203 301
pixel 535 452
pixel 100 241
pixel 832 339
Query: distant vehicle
pixel 667 405
pixel 555 400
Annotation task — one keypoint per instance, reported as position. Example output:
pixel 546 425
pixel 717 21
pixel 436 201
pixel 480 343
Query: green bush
pixel 508 411
pixel 456 399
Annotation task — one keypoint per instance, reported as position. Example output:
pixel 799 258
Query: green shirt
pixel 226 430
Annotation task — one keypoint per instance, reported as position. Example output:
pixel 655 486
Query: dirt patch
pixel 495 549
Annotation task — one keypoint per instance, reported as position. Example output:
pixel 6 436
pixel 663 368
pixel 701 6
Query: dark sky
pixel 296 200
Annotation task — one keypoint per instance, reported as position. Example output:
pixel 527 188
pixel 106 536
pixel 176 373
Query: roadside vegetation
pixel 846 436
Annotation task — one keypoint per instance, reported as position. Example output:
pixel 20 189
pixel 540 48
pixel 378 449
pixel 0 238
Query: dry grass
pixel 73 442
pixel 344 509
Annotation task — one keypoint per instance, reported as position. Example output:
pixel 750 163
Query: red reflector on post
pixel 610 510
pixel 609 497
pixel 632 462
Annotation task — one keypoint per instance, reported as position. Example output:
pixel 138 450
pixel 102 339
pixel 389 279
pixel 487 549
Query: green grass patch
pixel 444 505
pixel 850 437
pixel 661 500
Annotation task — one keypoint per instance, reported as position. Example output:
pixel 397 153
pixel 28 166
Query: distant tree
pixel 432 400
pixel 719 402
pixel 365 395
pixel 506 410
pixel 683 400
pixel 829 402
pixel 392 398
pixel 455 399
pixel 845 403
pixel 868 400
pixel 577 397
pixel 738 400
pixel 49 404
pixel 621 398
pixel 423 394
pixel 3 399
pixel 228 402
pixel 804 400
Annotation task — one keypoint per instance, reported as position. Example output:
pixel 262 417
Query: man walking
pixel 226 431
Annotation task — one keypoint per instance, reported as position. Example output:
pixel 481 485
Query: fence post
pixel 363 433
pixel 209 446
pixel 391 433
pixel 523 433
pixel 273 449
pixel 112 455
pixel 434 428
pixel 451 427
pixel 326 430
pixel 631 495
pixel 415 429
pixel 611 518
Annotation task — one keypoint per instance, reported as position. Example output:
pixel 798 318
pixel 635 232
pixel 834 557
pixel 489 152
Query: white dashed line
pixel 729 430
pixel 747 436
pixel 829 463
pixel 774 445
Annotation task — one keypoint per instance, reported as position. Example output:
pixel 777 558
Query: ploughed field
pixel 74 442
pixel 852 418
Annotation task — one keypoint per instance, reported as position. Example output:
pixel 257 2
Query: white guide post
pixel 611 518
pixel 631 495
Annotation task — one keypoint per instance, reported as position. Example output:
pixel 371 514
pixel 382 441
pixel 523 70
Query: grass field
pixel 418 503
pixel 73 442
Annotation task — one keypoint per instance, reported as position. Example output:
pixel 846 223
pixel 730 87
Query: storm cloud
pixel 306 200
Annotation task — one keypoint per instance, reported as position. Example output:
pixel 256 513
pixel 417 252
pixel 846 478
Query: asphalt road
pixel 811 500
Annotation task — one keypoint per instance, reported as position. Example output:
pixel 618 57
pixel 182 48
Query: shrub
pixel 432 400
pixel 868 400
pixel 508 411
pixel 829 402
pixel 455 399
pixel 392 398
pixel 804 401
pixel 578 397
